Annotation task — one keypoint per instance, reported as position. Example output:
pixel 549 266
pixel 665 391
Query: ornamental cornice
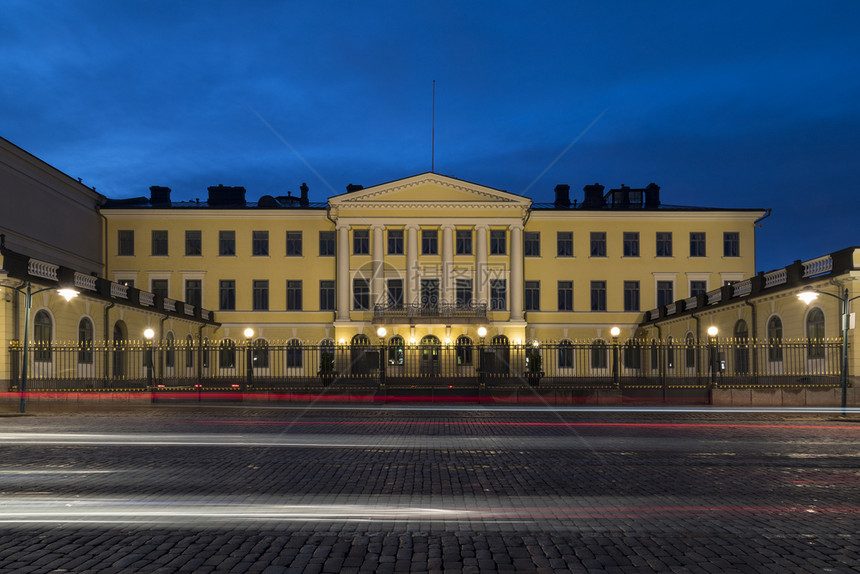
pixel 416 205
pixel 442 182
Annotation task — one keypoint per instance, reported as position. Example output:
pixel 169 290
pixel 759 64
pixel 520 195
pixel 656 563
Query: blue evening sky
pixel 722 104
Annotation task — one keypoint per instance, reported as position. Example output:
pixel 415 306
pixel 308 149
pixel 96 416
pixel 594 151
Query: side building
pixel 51 236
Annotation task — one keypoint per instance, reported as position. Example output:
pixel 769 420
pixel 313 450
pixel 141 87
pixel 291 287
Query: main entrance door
pixel 429 357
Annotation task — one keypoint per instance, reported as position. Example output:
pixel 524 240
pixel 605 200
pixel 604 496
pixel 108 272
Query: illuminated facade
pixel 429 257
pixel 433 260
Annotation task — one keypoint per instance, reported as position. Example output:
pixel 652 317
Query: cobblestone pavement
pixel 272 490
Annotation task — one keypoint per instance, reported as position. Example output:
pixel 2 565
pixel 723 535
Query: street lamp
pixel 381 332
pixel 148 334
pixel 615 331
pixel 67 293
pixel 249 357
pixel 809 295
pixel 712 349
pixel 482 332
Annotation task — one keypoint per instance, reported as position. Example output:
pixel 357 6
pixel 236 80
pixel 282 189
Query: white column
pixel 516 272
pixel 411 264
pixel 377 284
pixel 342 272
pixel 482 288
pixel 447 263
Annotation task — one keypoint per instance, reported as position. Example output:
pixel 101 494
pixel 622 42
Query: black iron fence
pixel 265 366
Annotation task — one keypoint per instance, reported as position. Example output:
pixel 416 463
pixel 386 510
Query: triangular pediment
pixel 428 189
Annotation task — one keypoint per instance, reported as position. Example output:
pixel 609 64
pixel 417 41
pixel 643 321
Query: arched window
pixel 534 361
pixel 189 352
pixel 42 333
pixel 463 350
pixel 431 342
pixel 633 355
pixel 204 356
pixel 396 349
pixel 120 333
pixel 326 356
pixel 227 354
pixel 294 354
pixel 689 351
pixel 502 354
pixel 815 334
pixel 565 354
pixel 260 354
pixel 670 353
pixel 85 341
pixel 774 339
pixel 654 355
pixel 742 353
pixel 358 356
pixel 598 355
pixel 170 350
pixel 360 341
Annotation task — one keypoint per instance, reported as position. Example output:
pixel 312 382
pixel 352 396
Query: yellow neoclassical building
pixel 429 258
pixel 434 261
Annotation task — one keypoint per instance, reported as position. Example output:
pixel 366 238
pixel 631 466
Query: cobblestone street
pixel 228 489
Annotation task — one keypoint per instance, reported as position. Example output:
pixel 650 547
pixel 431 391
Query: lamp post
pixel 381 332
pixel 615 331
pixel 809 295
pixel 148 362
pixel 714 361
pixel 249 357
pixel 148 334
pixel 67 293
pixel 482 332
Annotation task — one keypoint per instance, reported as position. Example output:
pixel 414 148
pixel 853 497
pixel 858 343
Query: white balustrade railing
pixel 817 266
pixel 87 282
pixel 147 298
pixel 119 290
pixel 742 288
pixel 42 269
pixel 778 277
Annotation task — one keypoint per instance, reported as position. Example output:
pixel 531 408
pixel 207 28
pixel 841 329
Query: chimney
pixel 562 195
pixel 226 196
pixel 159 196
pixel 624 199
pixel 593 196
pixel 304 199
pixel 354 187
pixel 652 196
